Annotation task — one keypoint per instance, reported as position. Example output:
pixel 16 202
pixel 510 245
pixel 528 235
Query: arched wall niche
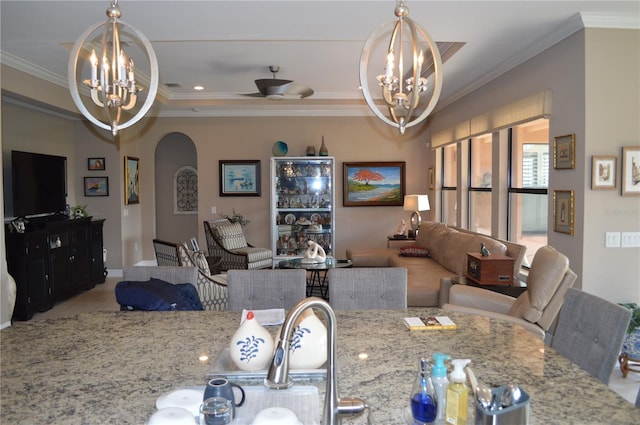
pixel 175 153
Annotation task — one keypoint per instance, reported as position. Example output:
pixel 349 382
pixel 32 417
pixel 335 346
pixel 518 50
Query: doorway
pixel 176 188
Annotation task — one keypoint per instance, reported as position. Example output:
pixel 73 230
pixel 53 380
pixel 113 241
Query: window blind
pixel 523 110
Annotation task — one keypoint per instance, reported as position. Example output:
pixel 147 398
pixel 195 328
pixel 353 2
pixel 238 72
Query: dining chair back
pixel 265 289
pixel 590 332
pixel 368 288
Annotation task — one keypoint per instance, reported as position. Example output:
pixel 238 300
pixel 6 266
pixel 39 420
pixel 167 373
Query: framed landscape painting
pixel 373 184
pixel 96 186
pixel 94 164
pixel 240 178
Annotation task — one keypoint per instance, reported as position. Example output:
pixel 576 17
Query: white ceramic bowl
pixel 187 398
pixel 172 416
pixel 276 416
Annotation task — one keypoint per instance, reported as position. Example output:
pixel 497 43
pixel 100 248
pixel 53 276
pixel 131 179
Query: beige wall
pixel 612 120
pixel 348 139
pixel 601 108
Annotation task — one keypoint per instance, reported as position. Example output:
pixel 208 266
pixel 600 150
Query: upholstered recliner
pixel 535 309
pixel 213 295
pixel 226 240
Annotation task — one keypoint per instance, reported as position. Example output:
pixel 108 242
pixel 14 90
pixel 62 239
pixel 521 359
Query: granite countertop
pixel 109 367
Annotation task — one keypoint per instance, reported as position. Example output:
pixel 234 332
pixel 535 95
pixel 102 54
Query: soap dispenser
pixel 457 394
pixel 440 381
pixel 424 403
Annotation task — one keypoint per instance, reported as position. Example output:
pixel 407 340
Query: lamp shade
pixel 416 203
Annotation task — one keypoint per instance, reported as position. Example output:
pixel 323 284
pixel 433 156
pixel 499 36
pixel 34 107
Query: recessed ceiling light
pixel 198 88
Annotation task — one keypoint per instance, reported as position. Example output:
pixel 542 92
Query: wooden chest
pixel 495 269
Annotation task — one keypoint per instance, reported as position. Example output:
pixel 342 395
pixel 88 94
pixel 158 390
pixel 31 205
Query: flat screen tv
pixel 39 183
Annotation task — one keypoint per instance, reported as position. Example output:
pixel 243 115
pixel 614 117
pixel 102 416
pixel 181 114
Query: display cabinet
pixel 302 205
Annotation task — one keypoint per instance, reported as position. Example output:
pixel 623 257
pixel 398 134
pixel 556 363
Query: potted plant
pixel 631 344
pixel 236 217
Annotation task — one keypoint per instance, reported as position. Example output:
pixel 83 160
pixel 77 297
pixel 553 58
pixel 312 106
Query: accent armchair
pixel 535 309
pixel 226 240
pixel 213 295
pixel 166 253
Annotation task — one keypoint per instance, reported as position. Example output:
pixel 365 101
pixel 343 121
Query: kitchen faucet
pixel 278 375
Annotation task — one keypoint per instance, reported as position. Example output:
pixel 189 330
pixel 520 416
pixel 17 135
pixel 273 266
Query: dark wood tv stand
pixel 53 261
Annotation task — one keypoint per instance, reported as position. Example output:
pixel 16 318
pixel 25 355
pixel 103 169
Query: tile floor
pixel 102 298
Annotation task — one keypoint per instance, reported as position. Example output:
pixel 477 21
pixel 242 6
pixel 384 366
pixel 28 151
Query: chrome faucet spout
pixel 278 375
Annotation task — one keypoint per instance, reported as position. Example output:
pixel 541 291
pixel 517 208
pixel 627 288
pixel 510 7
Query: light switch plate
pixel 612 240
pixel 630 239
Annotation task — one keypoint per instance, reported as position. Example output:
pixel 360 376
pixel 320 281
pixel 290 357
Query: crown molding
pixel 32 69
pixel 610 20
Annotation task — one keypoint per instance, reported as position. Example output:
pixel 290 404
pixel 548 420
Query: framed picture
pixel 240 178
pixel 630 170
pixel 373 184
pixel 563 211
pixel 604 172
pixel 95 164
pixel 564 152
pixel 131 180
pixel 96 186
pixel 432 179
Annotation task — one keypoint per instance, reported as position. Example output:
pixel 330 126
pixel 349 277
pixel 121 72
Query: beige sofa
pixel 448 249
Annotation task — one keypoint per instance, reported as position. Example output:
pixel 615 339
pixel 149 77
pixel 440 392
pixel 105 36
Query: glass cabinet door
pixel 302 205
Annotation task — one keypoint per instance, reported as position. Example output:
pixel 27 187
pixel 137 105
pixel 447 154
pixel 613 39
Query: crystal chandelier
pixel 112 84
pixel 405 94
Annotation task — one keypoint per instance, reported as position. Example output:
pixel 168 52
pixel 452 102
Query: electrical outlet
pixel 630 239
pixel 612 240
pixel 214 210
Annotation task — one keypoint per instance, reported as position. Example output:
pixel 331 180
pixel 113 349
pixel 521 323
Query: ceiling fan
pixel 274 88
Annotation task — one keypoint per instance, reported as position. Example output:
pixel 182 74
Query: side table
pixel 627 364
pixel 393 242
pixel 317 272
pixel 514 290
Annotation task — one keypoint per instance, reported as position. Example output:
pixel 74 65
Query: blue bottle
pixel 424 404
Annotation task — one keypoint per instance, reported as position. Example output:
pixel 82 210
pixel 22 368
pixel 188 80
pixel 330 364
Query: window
pixel 449 184
pixel 480 152
pixel 528 183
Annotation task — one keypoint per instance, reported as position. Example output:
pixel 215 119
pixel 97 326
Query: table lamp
pixel 416 203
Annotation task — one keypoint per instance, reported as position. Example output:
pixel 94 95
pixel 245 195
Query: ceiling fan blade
pixel 264 84
pixel 298 90
pixel 273 88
